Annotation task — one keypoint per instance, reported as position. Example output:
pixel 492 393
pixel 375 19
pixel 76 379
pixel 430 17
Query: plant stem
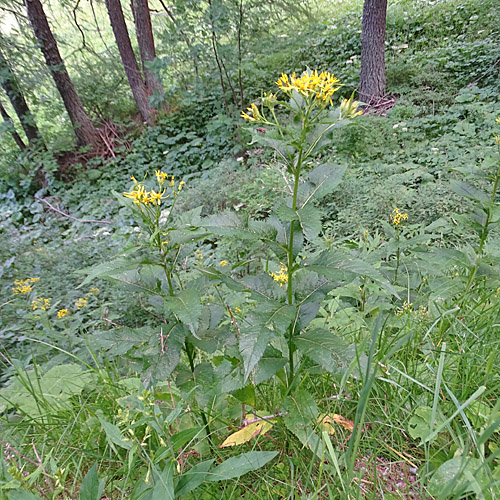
pixel 190 355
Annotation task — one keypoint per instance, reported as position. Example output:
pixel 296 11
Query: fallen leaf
pixel 327 421
pixel 247 433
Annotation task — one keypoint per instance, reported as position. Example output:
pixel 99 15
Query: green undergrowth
pixel 144 344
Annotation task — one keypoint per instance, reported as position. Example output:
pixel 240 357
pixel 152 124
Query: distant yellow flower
pixel 237 309
pixel 223 263
pixel 253 114
pixel 160 177
pixel 24 286
pixel 94 291
pixel 397 217
pixel 81 303
pixel 281 277
pixel 498 120
pixel 41 303
pixel 62 312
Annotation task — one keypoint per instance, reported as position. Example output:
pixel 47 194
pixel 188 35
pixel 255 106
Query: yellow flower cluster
pixel 62 313
pixel 320 86
pixel 40 303
pixel 397 217
pixel 223 263
pixel 497 137
pixel 253 114
pixel 81 303
pixel 154 197
pixel 281 277
pixel 24 286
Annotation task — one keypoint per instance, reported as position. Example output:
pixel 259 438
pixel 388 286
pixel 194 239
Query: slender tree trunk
pixel 146 42
pixel 85 131
pixel 10 85
pixel 129 61
pixel 372 81
pixel 12 129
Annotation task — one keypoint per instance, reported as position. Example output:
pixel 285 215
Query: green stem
pixel 190 355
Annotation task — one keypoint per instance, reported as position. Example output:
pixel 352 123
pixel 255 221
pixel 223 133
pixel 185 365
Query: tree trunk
pixel 12 129
pixel 145 40
pixel 129 61
pixel 10 85
pixel 85 131
pixel 372 81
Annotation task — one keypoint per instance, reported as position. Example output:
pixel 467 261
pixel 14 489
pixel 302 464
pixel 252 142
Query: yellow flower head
pixel 397 217
pixel 281 277
pixel 156 197
pixel 24 286
pixel 41 303
pixel 253 114
pixel 349 108
pixel 160 177
pixel 81 303
pixel 62 312
pixel 223 263
pixel 311 85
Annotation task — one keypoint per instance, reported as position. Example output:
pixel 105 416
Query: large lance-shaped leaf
pixel 328 350
pixel 165 362
pixel 320 182
pixel 301 413
pixel 328 262
pixel 469 191
pixel 114 435
pixel 231 224
pixel 92 487
pixel 253 342
pixel 241 464
pixel 193 478
pixel 270 363
pixel 255 337
pixel 187 306
pixel 310 221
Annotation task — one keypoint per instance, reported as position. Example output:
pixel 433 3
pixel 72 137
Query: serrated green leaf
pixel 320 182
pixel 328 262
pixel 253 342
pixel 286 213
pixel 241 464
pixel 310 221
pixel 269 364
pixel 328 350
pixel 187 306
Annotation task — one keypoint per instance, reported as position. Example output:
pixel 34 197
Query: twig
pixel 8 448
pixel 234 322
pixel 70 216
pixel 259 419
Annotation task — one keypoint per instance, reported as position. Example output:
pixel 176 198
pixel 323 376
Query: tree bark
pixel 372 80
pixel 129 61
pixel 12 129
pixel 145 40
pixel 85 131
pixel 10 85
